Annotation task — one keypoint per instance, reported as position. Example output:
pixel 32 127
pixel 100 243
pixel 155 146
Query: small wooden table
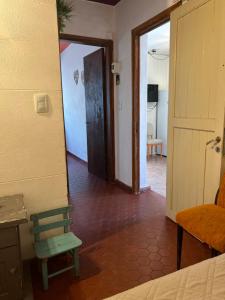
pixel 154 143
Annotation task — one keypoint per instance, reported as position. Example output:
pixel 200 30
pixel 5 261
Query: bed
pixel 203 281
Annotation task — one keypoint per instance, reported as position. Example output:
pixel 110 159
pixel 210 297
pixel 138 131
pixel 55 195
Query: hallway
pixel 127 240
pixel 156 170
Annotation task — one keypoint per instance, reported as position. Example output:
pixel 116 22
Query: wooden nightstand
pixel 12 214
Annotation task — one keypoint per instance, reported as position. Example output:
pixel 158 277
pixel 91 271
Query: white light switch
pixel 41 103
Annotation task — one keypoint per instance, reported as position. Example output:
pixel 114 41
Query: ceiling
pixel 159 38
pixel 109 2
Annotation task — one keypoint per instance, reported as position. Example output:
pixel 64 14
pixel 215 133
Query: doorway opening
pixel 154 87
pixel 149 130
pixel 87 86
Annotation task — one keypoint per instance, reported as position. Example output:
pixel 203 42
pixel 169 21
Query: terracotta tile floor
pixel 127 241
pixel 156 171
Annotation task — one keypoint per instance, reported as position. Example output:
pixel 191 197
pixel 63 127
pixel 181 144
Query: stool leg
pixel 214 252
pixel 161 148
pixel 44 268
pixel 179 245
pixel 76 262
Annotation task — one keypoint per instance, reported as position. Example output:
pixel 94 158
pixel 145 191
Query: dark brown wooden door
pixel 94 77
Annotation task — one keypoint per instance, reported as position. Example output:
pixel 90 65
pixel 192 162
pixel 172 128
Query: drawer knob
pixel 13 271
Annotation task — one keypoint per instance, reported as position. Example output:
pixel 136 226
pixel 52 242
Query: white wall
pixel 162 120
pixel 158 73
pixel 128 15
pixel 151 118
pixel 91 19
pixel 32 152
pixel 103 21
pixel 74 99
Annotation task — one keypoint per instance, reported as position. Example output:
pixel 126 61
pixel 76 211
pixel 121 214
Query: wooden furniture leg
pixel 179 245
pixel 161 149
pixel 76 263
pixel 214 252
pixel 44 267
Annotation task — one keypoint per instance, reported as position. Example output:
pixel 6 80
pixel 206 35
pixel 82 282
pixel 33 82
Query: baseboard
pixel 77 158
pixel 160 155
pixel 157 154
pixel 124 186
pixel 145 189
pixel 129 189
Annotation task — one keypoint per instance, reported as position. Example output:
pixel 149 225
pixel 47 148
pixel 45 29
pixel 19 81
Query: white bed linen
pixel 203 281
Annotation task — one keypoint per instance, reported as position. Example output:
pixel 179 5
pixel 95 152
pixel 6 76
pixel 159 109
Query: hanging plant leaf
pixel 64 10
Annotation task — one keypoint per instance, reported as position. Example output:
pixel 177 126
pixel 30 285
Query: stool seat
pixel 56 245
pixel 154 141
pixel 205 222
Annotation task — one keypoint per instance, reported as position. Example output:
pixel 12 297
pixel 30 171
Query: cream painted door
pixel 196 104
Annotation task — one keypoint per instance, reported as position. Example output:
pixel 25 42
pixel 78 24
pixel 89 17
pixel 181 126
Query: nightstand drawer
pixel 8 237
pixel 10 274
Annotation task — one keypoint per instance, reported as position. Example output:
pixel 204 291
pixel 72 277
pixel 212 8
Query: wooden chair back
pixel 39 228
pixel 220 198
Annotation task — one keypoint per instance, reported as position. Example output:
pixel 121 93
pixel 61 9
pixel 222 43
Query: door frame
pixel 137 32
pixel 109 109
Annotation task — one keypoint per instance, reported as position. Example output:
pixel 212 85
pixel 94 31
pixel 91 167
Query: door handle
pixel 215 141
pixel 13 271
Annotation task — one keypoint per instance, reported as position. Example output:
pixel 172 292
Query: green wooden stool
pixel 46 248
